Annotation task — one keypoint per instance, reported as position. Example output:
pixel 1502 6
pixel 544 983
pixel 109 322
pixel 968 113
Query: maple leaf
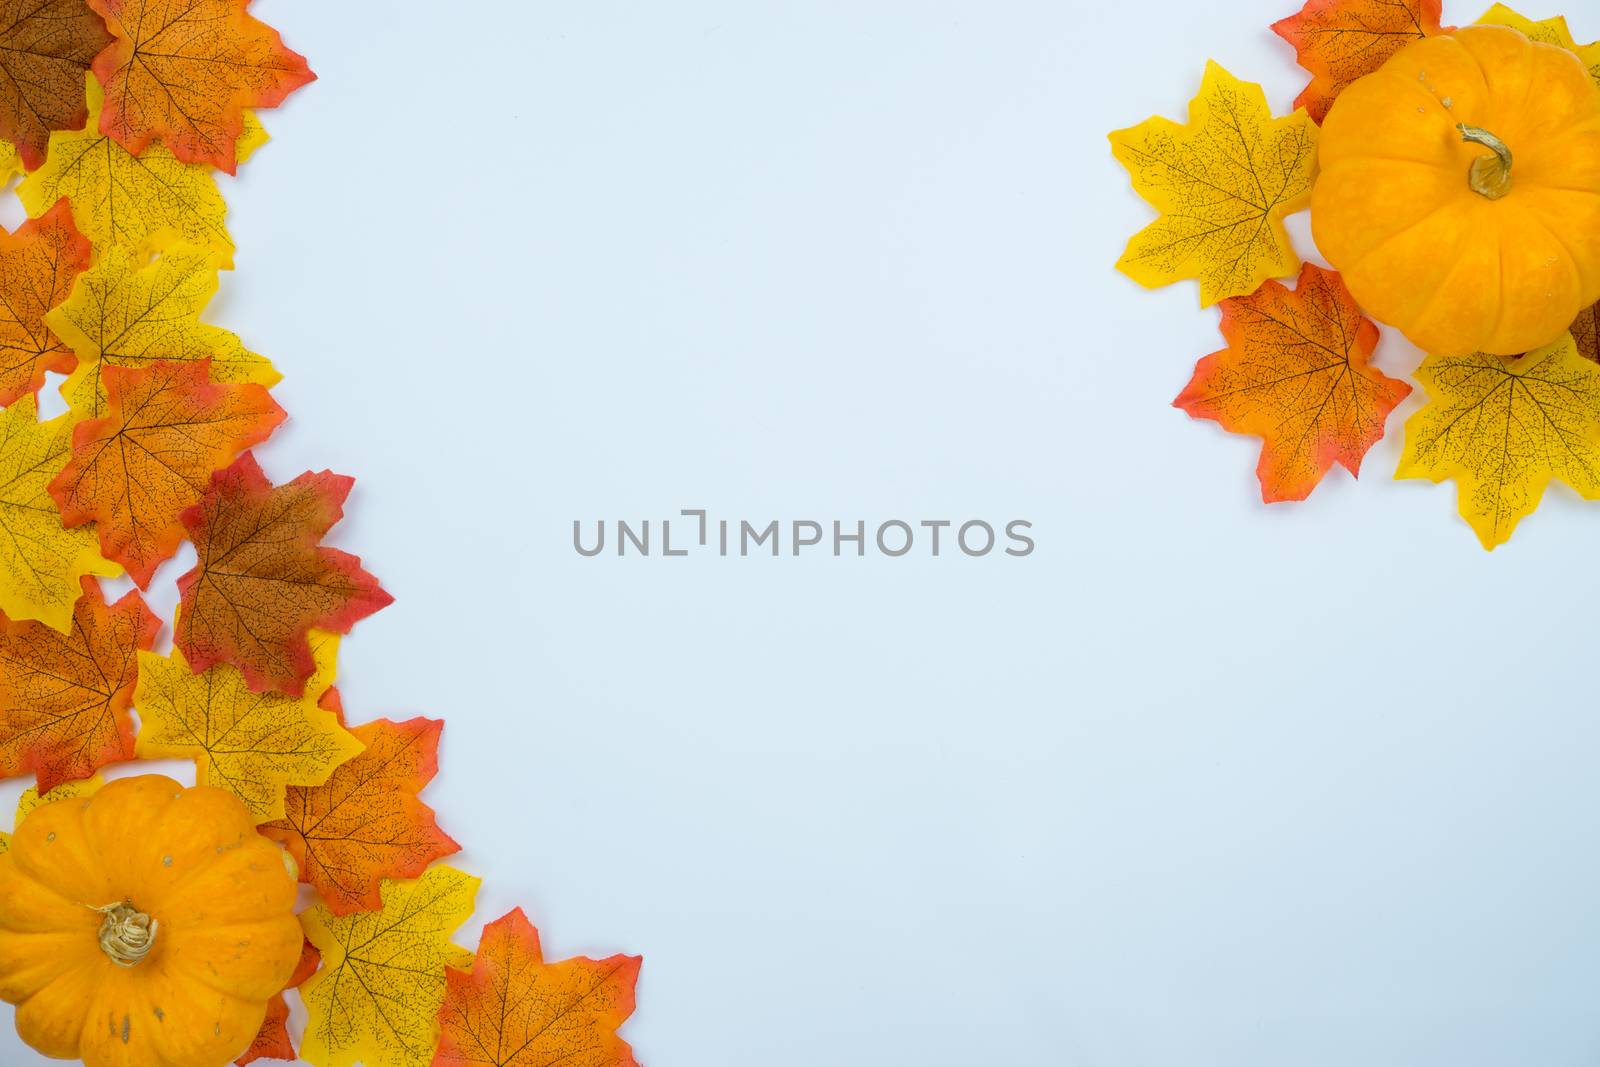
pixel 167 428
pixel 376 999
pixel 184 71
pixel 38 264
pixel 1339 41
pixel 1586 333
pixel 125 312
pixel 46 47
pixel 262 579
pixel 1546 31
pixel 1503 428
pixel 140 202
pixel 41 561
pixel 64 696
pixel 272 1041
pixel 1223 184
pixel 1296 374
pixel 366 823
pixel 250 744
pixel 514 1010
pixel 31 798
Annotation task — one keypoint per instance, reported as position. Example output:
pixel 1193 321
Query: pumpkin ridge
pixel 1533 218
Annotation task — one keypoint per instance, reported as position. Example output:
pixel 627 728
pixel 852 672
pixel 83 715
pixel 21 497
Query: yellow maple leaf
pixel 127 312
pixel 136 201
pixel 41 561
pixel 1223 184
pixel 10 162
pixel 31 799
pixel 1503 428
pixel 252 745
pixel 376 998
pixel 1546 31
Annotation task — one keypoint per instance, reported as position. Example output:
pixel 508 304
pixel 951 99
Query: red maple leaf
pixel 1339 41
pixel 262 579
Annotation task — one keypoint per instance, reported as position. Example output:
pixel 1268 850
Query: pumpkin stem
pixel 127 934
pixel 1490 176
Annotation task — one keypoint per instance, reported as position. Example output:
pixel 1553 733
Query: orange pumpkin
pixel 1460 191
pixel 146 925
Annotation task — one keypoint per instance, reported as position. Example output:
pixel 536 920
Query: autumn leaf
pixel 1339 41
pixel 273 1041
pixel 41 561
pixel 125 312
pixel 46 47
pixel 38 264
pixel 64 696
pixel 138 202
pixel 167 428
pixel 1296 374
pixel 250 744
pixel 1546 31
pixel 184 71
pixel 1503 429
pixel 376 999
pixel 366 823
pixel 514 1010
pixel 263 579
pixel 1223 184
pixel 1586 333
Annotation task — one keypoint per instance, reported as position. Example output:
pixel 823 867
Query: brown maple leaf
pixel 46 47
pixel 64 696
pixel 38 264
pixel 263 579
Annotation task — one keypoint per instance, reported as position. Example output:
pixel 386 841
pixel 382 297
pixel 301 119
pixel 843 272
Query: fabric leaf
pixel 1586 333
pixel 38 264
pixel 126 312
pixel 376 999
pixel 1546 31
pixel 138 202
pixel 166 429
pixel 1503 428
pixel 1339 41
pixel 64 697
pixel 1223 184
pixel 366 823
pixel 41 561
pixel 46 47
pixel 263 579
pixel 184 71
pixel 252 745
pixel 273 1041
pixel 1296 374
pixel 514 1010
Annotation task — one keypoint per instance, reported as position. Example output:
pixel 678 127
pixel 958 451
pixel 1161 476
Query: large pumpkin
pixel 144 926
pixel 1460 191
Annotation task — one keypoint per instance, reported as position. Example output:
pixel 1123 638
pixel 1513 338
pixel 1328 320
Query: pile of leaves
pixel 118 113
pixel 1297 369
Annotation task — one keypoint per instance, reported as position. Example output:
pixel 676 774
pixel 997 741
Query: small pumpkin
pixel 1460 191
pixel 146 925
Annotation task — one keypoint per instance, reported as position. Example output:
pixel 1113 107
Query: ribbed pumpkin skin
pixel 1455 271
pixel 191 859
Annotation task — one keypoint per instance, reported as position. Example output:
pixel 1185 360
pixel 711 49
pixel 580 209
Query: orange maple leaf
pixel 46 47
pixel 167 428
pixel 272 1041
pixel 366 823
pixel 1338 41
pixel 514 1010
pixel 64 696
pixel 1296 374
pixel 38 264
pixel 263 579
pixel 185 71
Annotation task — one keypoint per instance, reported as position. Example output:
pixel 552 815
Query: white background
pixel 1200 782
